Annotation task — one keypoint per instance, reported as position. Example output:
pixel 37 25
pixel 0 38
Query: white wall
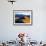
pixel 37 31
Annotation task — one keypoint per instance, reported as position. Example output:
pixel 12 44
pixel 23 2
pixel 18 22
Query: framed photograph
pixel 22 17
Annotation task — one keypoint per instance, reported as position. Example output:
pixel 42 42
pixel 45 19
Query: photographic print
pixel 22 17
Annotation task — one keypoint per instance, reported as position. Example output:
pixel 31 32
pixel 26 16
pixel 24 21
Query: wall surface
pixel 38 29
